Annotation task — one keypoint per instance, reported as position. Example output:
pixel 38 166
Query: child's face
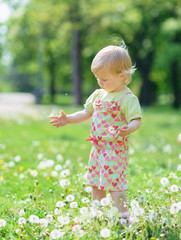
pixel 109 81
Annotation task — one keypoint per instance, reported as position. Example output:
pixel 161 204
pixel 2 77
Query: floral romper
pixel 108 159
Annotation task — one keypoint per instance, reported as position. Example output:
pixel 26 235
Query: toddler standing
pixel 115 113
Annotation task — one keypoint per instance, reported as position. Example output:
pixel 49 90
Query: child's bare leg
pixel 98 194
pixel 120 201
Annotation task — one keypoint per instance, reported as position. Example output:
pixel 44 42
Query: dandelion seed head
pixel 73 205
pixel 2 223
pixel 174 188
pixel 105 233
pixel 22 221
pixel 34 219
pixel 164 181
pixel 105 202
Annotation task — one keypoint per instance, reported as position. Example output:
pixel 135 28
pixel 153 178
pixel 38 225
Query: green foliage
pixel 40 40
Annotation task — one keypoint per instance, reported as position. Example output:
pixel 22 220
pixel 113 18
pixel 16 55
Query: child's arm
pixel 64 119
pixel 129 128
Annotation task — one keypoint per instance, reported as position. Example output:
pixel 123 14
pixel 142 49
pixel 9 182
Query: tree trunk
pixel 76 66
pixel 39 75
pixel 175 82
pixel 51 68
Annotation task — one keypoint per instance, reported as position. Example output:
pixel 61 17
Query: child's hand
pixel 123 131
pixel 60 120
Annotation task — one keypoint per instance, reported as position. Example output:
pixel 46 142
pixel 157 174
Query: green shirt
pixel 129 106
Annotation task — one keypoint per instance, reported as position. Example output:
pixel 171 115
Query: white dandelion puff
pixel 174 188
pixel 164 181
pixel 63 220
pixel 34 219
pixel 105 202
pixel 105 233
pixel 70 198
pixel 43 222
pixel 49 217
pixel 60 204
pixel 22 221
pixel 2 223
pixel 73 205
pixel 174 209
pixel 55 234
pixel 85 200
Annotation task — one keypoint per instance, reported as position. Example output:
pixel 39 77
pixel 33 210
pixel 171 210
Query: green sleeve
pixel 131 108
pixel 89 102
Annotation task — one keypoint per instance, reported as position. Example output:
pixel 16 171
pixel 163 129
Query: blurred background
pixel 46 47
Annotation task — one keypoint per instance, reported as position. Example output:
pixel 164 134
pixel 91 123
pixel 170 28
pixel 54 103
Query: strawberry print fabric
pixel 108 159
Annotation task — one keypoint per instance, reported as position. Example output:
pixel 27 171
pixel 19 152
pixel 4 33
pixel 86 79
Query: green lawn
pixel 32 153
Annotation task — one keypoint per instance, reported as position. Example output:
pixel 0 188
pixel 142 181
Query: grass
pixel 28 190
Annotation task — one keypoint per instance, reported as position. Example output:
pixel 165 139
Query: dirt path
pixel 16 104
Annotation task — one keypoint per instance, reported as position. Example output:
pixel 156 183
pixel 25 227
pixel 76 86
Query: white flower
pixel 49 163
pixel 174 208
pixel 21 221
pixel 70 198
pixel 174 188
pixel 78 231
pixel 2 223
pixel 59 157
pixel 63 220
pixel 94 212
pixel 42 165
pixel 73 205
pixel 34 219
pixel 11 164
pixel 58 167
pixel 65 173
pixel 64 182
pixel 138 211
pixel 60 204
pixel 54 173
pixel 88 189
pixel 43 222
pixel 95 203
pixel 67 163
pixel 17 231
pixel 57 211
pixel 49 217
pixel 17 158
pixel 83 210
pixel 85 200
pixel 21 176
pixel 134 204
pixel 179 167
pixel 40 156
pixel 55 234
pixel 33 173
pixel 21 212
pixel 112 130
pixel 113 212
pixel 173 175
pixel 164 181
pixel 105 233
pixel 105 202
pixel 153 215
pixel 179 206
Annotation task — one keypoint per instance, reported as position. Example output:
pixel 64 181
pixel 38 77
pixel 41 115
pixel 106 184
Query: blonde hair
pixel 116 59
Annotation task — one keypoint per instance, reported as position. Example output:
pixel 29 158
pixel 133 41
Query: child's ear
pixel 122 75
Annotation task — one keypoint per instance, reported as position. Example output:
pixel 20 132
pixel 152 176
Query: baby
pixel 115 113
